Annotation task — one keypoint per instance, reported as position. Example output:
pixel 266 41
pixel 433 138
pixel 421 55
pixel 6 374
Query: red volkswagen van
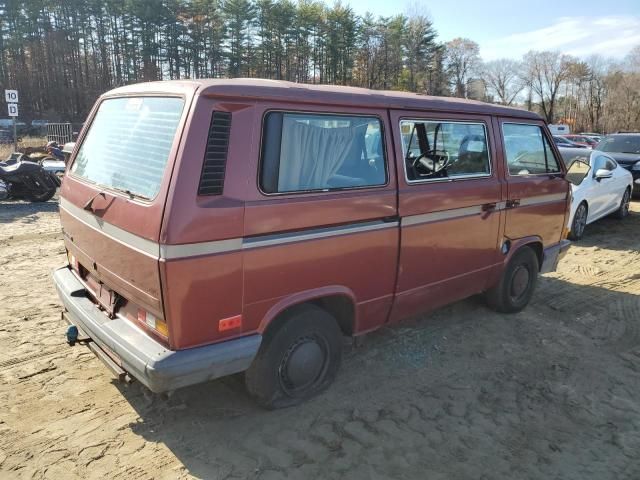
pixel 220 226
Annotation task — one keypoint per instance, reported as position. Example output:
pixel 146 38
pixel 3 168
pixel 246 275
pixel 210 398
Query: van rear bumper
pixel 552 256
pixel 149 362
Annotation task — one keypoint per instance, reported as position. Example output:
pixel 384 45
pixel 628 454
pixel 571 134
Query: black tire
pixel 579 222
pixel 41 196
pixel 517 284
pixel 298 358
pixel 623 209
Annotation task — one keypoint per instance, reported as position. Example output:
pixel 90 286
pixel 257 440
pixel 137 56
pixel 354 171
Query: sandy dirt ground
pixel 550 393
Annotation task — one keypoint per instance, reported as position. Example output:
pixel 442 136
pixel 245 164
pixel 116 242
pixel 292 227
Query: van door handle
pixel 488 207
pixel 513 203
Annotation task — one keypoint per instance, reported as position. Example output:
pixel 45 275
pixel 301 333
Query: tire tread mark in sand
pixel 25 358
pixel 610 299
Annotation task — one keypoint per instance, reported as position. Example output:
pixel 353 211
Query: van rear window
pixel 309 152
pixel 128 144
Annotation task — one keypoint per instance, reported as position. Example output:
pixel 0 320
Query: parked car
pixel 606 190
pixel 561 141
pixel 270 221
pixel 594 136
pixel 625 149
pixel 582 140
pixel 7 124
pixel 6 136
pixel 559 129
pixel 38 127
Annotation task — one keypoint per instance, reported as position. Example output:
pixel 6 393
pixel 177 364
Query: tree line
pixel 62 54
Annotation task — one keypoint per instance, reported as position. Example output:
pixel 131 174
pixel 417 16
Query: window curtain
pixel 310 155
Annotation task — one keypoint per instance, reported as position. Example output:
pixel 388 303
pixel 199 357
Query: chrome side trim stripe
pixel 117 234
pixel 475 210
pixel 551 197
pixel 235 244
pixel 315 234
pixel 441 215
pixel 169 252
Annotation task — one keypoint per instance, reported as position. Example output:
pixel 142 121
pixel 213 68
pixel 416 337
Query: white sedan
pixel 605 190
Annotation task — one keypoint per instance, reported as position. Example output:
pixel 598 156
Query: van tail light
pixel 73 261
pixel 153 322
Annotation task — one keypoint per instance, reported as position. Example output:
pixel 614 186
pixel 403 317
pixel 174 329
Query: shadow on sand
pixel 11 210
pixel 453 387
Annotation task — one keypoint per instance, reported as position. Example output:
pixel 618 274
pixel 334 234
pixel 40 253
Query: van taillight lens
pixel 153 322
pixel 73 261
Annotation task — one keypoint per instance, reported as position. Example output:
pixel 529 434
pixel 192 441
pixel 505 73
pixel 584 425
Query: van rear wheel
pixel 297 360
pixel 518 282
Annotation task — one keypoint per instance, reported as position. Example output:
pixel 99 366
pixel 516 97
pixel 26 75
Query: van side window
pixel 306 152
pixel 435 149
pixel 527 149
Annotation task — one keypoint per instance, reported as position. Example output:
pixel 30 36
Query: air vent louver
pixel 215 157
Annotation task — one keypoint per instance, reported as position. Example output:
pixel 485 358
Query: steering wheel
pixel 431 161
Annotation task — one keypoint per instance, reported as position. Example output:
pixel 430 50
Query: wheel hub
pixel 302 365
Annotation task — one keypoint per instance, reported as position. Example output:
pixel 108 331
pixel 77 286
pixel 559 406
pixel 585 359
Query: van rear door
pixel 113 197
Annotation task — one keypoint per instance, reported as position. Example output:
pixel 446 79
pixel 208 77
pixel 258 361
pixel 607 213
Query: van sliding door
pixel 450 194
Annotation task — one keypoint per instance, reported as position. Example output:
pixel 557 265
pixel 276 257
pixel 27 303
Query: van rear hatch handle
pixel 87 206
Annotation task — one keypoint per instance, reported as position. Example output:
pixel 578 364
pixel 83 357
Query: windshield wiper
pixel 129 193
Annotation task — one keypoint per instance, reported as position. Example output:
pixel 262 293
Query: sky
pixel 512 28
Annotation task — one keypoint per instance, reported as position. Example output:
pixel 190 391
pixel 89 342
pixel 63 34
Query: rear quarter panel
pixel 362 265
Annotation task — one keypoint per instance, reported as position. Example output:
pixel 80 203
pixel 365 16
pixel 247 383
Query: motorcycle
pixel 20 178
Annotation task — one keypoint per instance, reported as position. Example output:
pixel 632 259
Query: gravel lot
pixel 552 392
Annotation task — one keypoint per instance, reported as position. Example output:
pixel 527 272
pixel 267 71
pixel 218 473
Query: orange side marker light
pixel 230 323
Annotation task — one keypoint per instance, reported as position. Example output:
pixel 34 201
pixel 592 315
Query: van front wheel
pixel 297 360
pixel 518 282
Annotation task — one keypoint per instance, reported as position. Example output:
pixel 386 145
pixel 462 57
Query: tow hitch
pixel 73 337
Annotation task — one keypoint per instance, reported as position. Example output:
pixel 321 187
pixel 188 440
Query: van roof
pixel 323 94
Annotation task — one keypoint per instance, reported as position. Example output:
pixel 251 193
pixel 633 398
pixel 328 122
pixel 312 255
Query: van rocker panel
pixel 155 366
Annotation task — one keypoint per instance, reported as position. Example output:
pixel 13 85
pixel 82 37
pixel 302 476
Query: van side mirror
pixel 603 173
pixel 577 172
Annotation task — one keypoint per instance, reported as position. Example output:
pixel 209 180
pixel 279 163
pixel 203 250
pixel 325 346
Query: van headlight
pixel 636 166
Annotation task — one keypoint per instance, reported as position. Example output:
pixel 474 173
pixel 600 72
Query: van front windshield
pixel 128 144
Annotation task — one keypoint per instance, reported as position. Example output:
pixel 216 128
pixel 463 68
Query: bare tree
pixel 462 59
pixel 632 60
pixel 597 94
pixel 545 72
pixel 623 101
pixel 503 80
